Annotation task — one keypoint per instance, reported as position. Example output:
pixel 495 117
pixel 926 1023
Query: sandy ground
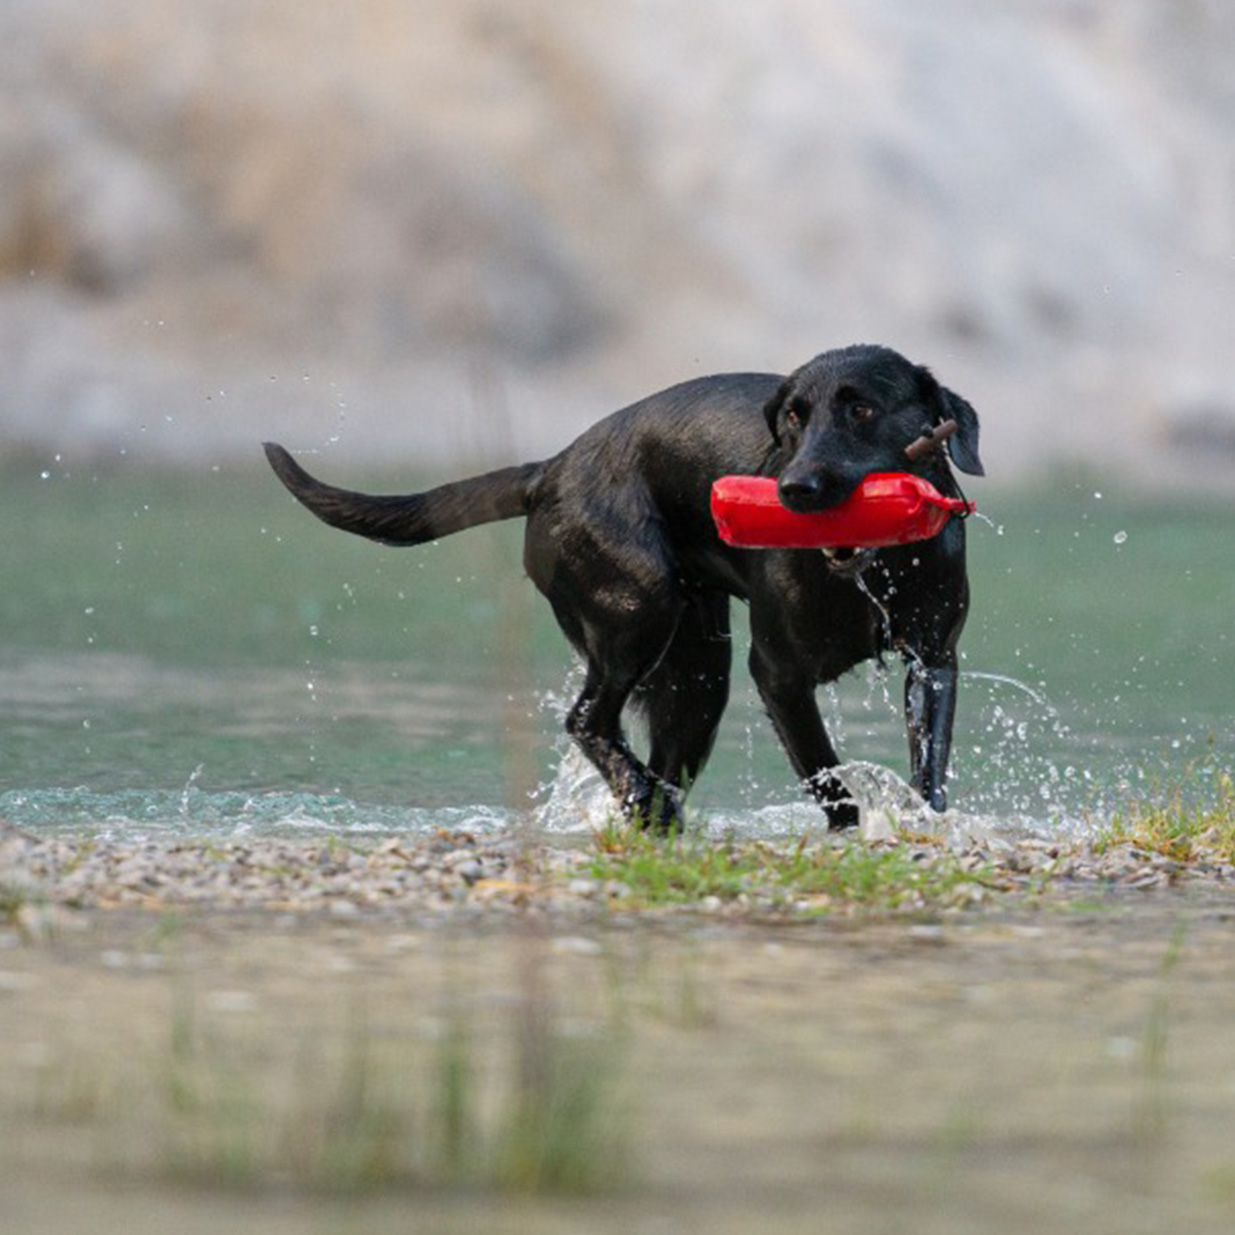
pixel 1046 1061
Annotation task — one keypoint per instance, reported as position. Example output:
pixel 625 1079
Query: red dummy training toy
pixel 887 508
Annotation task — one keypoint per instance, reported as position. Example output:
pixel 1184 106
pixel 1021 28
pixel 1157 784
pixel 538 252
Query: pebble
pixel 440 873
pixel 578 945
pixel 450 873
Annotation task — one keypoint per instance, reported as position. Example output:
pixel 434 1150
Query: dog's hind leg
pixel 684 697
pixel 615 591
pixel 595 724
pixel 622 648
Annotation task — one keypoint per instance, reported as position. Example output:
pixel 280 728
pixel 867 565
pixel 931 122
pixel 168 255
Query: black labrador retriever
pixel 621 541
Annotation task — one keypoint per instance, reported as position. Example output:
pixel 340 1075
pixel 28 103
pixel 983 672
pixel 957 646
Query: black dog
pixel 620 540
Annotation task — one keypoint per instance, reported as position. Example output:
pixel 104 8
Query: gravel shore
pixel 461 874
pixel 1050 1050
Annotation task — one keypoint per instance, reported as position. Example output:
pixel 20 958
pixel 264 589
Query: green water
pixel 194 652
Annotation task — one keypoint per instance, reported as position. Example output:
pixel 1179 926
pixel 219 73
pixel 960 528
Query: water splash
pixel 190 788
pixel 138 815
pixel 1037 696
pixel 576 800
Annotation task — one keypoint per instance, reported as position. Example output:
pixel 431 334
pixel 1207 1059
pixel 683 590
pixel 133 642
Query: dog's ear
pixel 963 444
pixel 772 409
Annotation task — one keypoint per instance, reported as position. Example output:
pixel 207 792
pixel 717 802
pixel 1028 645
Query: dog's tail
pixel 414 518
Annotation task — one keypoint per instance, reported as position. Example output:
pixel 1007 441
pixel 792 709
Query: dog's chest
pixel 837 624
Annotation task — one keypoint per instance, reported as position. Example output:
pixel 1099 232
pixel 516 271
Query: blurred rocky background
pixel 421 229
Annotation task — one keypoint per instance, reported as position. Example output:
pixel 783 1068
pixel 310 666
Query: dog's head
pixel 851 412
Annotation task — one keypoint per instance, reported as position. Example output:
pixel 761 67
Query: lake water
pixel 195 655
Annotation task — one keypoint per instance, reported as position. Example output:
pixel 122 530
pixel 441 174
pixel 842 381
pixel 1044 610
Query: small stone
pixel 231 1001
pixel 577 945
pixel 470 871
pixel 876 827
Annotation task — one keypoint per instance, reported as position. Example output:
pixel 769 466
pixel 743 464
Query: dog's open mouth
pixel 847 561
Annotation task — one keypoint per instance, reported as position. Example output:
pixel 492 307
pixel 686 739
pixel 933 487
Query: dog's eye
pixel 796 414
pixel 863 412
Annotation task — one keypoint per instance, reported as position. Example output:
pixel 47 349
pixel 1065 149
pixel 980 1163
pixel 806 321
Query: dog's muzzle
pixel 848 562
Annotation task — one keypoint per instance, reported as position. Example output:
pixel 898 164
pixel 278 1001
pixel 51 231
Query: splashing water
pixel 1003 679
pixel 140 815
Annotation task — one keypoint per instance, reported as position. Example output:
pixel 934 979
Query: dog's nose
pixel 804 491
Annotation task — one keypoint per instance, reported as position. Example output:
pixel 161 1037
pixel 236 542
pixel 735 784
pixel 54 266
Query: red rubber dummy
pixel 887 508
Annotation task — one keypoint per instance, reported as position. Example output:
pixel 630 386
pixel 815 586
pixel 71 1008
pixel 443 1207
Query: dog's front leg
pixel 930 706
pixel 789 697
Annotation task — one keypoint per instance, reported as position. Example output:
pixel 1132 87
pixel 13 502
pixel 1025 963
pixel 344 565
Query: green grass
pixel 813 877
pixel 1151 1111
pixel 525 1104
pixel 12 901
pixel 1179 824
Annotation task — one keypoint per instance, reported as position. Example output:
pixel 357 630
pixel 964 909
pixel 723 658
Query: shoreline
pixel 460 876
pixel 1046 1049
